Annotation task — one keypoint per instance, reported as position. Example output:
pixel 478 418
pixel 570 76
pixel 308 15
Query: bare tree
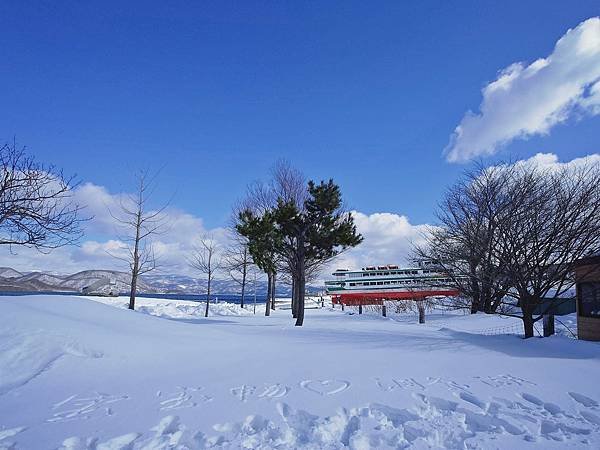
pixel 509 236
pixel 470 216
pixel 238 261
pixel 140 224
pixel 37 208
pixel 206 258
pixel 554 221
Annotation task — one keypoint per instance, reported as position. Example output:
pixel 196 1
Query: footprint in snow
pixel 584 400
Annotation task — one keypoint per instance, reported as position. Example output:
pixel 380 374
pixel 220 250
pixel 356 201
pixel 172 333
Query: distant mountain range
pixel 14 281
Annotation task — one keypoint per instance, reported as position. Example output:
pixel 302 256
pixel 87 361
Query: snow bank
pixel 176 309
pixel 23 356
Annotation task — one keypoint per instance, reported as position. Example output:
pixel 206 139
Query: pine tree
pixel 318 232
pixel 263 242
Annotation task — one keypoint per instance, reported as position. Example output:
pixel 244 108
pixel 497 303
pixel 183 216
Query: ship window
pixel 352 284
pixel 379 283
pixel 387 282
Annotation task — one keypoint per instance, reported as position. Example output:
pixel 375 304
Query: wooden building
pixel 587 278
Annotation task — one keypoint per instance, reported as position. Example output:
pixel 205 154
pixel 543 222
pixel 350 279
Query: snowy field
pixel 84 373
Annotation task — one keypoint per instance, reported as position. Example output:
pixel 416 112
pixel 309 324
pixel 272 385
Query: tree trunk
pixel 207 298
pixel 487 307
pixel 301 285
pixel 268 302
pixel 527 304
pixel 294 297
pixel 136 263
pixel 133 289
pixel 243 285
pixel 273 292
pixel 528 326
pixel 421 307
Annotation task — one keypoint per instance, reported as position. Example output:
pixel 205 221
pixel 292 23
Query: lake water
pixel 231 298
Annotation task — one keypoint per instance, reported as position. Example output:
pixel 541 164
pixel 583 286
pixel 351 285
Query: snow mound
pixel 176 309
pixel 23 356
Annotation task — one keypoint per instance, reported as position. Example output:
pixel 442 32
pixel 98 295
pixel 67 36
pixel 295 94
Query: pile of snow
pixel 176 309
pixel 25 355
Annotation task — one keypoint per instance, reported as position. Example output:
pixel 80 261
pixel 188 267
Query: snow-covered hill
pixel 12 280
pixel 7 272
pixel 85 278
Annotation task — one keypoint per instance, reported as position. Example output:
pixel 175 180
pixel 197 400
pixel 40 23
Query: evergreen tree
pixel 318 232
pixel 263 242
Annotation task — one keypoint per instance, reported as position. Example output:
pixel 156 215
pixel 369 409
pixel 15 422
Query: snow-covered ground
pixel 78 373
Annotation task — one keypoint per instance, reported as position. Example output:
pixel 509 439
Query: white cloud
pixel 529 100
pixel 387 236
pixel 549 161
pixel 388 239
pixel 103 231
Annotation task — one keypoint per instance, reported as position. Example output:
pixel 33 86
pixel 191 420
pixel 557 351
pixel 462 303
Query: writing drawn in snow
pixel 325 387
pixel 79 406
pixel 183 397
pixel 504 380
pixel 269 391
pixel 398 383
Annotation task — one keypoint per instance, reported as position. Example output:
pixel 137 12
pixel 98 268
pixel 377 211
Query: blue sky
pixel 215 92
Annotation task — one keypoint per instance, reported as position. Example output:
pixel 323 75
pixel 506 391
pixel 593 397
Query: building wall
pixel 588 328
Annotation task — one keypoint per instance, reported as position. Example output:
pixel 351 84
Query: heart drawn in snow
pixel 325 387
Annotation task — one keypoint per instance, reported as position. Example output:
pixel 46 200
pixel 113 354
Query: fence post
pixel 342 303
pixel 421 308
pixel 548 325
pixel 360 308
pixel 384 310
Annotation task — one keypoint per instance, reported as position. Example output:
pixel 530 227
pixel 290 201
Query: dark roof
pixel 592 259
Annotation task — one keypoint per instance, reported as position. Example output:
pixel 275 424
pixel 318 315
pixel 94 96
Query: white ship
pixel 373 284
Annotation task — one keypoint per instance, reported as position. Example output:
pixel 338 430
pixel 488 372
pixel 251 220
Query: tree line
pixel 288 228
pixel 509 235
